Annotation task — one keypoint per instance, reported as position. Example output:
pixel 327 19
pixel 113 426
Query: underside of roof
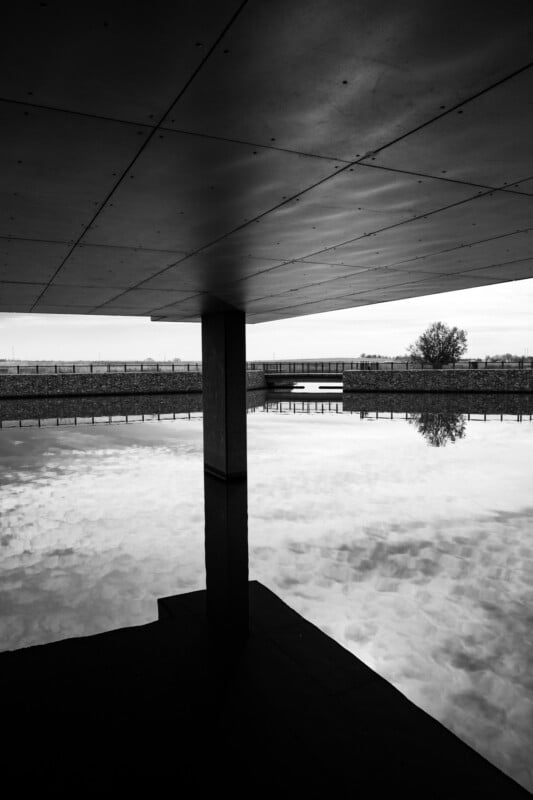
pixel 281 157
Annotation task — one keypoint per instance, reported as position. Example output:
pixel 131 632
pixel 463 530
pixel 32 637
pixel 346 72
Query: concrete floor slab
pixel 290 710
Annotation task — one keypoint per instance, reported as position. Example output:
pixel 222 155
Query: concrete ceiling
pixel 279 157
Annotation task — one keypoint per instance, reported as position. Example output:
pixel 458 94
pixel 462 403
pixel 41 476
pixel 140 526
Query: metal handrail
pixel 338 367
pixel 98 368
pixel 106 419
pixel 269 407
pixel 269 367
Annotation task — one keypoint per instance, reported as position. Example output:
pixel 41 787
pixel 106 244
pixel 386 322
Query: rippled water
pixel 407 537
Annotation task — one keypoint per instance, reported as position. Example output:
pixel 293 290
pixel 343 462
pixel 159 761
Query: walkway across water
pixel 289 379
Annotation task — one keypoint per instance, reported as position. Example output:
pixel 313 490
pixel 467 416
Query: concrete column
pixel 225 473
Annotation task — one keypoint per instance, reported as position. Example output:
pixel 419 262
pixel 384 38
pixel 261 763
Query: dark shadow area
pixel 450 403
pixel 27 408
pixel 287 710
pixel 435 415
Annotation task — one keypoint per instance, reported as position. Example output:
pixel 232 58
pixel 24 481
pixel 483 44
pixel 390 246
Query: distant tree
pixel 438 345
pixel 504 357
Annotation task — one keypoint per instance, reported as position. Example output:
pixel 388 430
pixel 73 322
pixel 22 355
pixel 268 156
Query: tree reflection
pixel 439 429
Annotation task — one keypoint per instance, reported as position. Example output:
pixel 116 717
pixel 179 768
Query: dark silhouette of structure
pixel 287 709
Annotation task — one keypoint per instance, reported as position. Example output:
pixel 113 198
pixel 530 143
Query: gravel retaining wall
pixel 117 383
pixel 436 380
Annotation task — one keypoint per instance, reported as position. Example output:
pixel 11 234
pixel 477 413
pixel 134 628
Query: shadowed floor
pixel 290 709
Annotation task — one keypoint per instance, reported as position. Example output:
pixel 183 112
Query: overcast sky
pixel 498 319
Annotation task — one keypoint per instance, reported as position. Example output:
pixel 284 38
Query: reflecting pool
pixel 400 526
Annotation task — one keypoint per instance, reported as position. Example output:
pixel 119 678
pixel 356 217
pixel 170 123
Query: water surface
pixel 405 535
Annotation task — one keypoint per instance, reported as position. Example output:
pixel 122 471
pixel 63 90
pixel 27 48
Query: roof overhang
pixel 281 158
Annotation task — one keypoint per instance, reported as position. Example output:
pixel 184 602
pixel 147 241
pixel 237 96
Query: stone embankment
pixel 436 380
pixel 118 383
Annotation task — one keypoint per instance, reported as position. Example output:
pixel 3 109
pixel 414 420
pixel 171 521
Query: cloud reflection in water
pixel 418 559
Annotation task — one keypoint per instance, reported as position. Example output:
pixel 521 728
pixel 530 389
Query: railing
pixel 299 407
pixel 295 367
pixel 269 367
pixel 338 367
pixel 270 407
pixel 124 419
pixel 43 368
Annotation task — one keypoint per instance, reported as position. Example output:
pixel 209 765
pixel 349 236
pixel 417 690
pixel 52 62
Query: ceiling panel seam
pixel 288 262
pixel 106 246
pixel 357 294
pixel 459 247
pixel 363 273
pixel 359 274
pixel 161 127
pixel 511 190
pixel 450 110
pixel 407 282
pixel 486 266
pixel 440 178
pixel 157 318
pixel 23 283
pixel 253 144
pixel 245 224
pixel 348 166
pixel 172 304
pixel 360 161
pixel 88 309
pixel 147 141
pixel 420 258
pixel 139 248
pixel 33 239
pixel 367 235
pixel 75 113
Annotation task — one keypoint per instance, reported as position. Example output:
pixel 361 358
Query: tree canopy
pixel 439 345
